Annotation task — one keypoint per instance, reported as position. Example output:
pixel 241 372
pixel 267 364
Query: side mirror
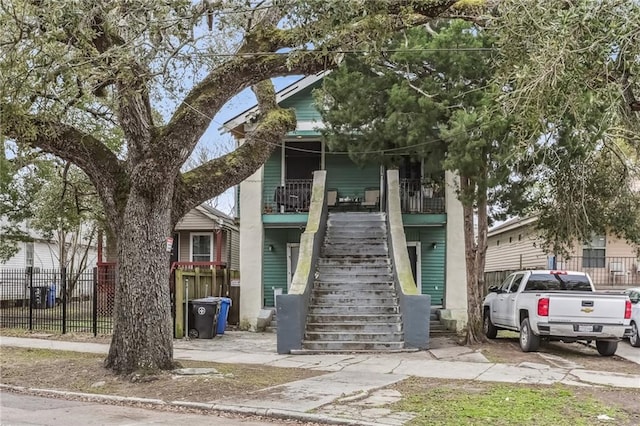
pixel 494 289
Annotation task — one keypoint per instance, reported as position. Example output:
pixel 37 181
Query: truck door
pixel 497 307
pixel 511 318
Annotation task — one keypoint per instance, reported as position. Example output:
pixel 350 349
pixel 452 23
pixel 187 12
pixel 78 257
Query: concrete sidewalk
pixel 357 376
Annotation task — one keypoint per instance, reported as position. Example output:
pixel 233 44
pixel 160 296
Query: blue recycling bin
pixel 51 296
pixel 225 302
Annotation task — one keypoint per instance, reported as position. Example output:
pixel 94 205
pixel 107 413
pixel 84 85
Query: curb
pixel 273 413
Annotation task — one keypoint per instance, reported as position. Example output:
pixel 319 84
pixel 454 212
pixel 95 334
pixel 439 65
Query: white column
pixel 455 299
pixel 251 243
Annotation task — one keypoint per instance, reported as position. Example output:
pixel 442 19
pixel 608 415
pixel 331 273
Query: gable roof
pixel 511 224
pixel 216 215
pixel 281 95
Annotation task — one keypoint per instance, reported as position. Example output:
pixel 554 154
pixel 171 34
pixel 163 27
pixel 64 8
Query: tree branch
pixel 215 176
pixel 70 144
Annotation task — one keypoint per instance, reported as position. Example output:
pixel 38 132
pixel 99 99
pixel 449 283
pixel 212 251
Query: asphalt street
pixel 18 409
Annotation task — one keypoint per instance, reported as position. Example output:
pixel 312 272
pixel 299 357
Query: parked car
pixel 557 305
pixel 634 297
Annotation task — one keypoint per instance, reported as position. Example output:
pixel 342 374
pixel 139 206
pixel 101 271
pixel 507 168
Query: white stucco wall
pixel 455 299
pixel 251 242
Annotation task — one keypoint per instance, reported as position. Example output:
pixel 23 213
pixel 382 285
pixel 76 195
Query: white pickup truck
pixel 556 305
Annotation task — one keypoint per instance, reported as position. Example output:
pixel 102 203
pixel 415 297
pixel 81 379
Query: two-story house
pixel 274 208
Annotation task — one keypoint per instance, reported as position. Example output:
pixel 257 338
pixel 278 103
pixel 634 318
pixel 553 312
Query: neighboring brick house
pixel 516 244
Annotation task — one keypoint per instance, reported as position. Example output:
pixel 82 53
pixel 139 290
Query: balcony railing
pixel 418 198
pixel 292 197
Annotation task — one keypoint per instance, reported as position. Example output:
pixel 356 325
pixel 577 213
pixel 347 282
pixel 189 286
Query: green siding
pixel 274 263
pixel 432 260
pixel 304 105
pixel 350 179
pixel 272 176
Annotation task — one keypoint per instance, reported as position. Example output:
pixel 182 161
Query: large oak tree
pixel 73 74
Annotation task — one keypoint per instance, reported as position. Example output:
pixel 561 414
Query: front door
pixel 293 250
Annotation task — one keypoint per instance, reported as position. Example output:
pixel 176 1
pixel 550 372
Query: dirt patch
pixel 506 349
pixel 80 372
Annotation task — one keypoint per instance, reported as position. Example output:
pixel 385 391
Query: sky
pixel 214 139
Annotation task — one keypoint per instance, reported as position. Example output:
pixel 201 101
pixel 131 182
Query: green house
pixel 273 209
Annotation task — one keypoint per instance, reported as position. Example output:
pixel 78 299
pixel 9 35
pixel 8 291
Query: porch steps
pixel 354 306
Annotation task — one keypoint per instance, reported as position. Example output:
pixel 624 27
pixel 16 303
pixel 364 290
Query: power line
pixel 339 51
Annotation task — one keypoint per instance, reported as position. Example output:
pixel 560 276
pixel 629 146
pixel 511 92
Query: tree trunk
pixel 143 332
pixel 475 256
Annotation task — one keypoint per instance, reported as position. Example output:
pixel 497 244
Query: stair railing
pixel 293 306
pixel 414 307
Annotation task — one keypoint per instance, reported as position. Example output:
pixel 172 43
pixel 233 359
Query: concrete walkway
pixel 355 379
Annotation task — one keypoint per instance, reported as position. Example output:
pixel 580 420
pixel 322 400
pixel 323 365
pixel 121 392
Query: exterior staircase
pixel 354 306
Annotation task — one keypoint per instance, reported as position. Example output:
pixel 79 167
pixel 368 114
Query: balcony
pixel 292 197
pixel 418 198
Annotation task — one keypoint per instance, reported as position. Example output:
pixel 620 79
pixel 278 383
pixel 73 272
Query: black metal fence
pixel 54 301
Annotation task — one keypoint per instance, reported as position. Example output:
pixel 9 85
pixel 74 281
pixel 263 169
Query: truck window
pixel 550 282
pixel 516 283
pixel 505 284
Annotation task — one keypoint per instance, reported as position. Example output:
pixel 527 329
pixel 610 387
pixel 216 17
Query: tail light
pixel 543 307
pixel 627 309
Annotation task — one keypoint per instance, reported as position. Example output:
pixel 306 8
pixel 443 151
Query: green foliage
pixel 15 190
pixel 569 74
pixel 428 97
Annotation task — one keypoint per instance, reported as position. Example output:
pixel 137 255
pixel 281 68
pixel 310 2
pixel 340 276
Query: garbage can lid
pixel 208 300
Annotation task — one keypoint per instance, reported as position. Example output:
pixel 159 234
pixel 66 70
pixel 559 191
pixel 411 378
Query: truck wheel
pixel 529 342
pixel 635 335
pixel 489 329
pixel 606 347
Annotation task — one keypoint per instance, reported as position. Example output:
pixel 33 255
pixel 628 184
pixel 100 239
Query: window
pixel 28 253
pixel 593 252
pixel 201 247
pixel 497 242
pixel 516 283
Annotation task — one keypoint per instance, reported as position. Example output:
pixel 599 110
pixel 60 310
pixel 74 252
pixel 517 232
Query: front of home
pixel 274 209
pixel 609 260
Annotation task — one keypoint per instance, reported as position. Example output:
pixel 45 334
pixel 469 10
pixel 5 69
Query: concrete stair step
pixel 352 346
pixel 353 279
pixel 354 253
pixel 353 294
pixel 361 326
pixel 334 263
pixel 355 318
pixel 357 269
pixel 356 231
pixel 351 336
pixel 358 309
pixel 347 300
pixel 354 285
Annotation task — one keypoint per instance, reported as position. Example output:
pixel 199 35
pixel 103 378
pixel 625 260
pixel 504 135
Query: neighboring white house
pixel 45 254
pixel 42 257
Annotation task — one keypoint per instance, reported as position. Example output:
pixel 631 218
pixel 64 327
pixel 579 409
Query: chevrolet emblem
pixel 587 310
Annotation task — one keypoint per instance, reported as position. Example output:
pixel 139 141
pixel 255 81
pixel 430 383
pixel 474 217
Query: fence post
pixel 95 302
pixel 63 283
pixel 30 273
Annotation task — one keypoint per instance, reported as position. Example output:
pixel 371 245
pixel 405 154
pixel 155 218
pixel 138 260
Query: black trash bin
pixel 39 297
pixel 203 317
